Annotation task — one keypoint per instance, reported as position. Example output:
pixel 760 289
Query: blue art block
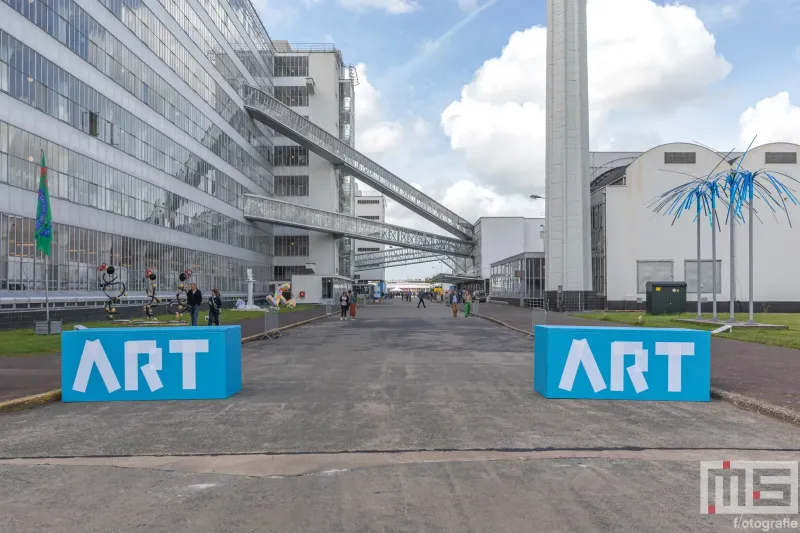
pixel 168 363
pixel 597 363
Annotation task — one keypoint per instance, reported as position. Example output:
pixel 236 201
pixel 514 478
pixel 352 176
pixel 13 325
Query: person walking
pixel 454 301
pixel 467 304
pixel 344 303
pixel 421 297
pixel 214 308
pixel 353 301
pixel 194 299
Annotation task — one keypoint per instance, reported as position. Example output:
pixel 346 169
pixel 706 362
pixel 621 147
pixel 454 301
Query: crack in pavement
pixel 292 465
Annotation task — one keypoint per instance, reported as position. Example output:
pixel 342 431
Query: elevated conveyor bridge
pixel 269 210
pixel 403 256
pixel 268 110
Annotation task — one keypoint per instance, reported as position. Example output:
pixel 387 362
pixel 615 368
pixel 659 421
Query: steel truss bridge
pixel 402 256
pixel 274 114
pixel 270 210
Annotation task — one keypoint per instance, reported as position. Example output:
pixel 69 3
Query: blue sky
pixel 759 38
pixel 658 73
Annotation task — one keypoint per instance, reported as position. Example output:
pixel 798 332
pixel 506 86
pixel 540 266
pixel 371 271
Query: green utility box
pixel 665 297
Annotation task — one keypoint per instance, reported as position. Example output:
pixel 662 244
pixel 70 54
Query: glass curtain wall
pixel 519 277
pixel 77 252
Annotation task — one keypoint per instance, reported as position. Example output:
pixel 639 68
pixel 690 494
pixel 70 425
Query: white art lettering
pixel 143 356
pixel 581 355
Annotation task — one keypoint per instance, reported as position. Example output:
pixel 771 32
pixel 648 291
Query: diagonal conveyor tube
pixel 404 256
pixel 262 209
pixel 279 117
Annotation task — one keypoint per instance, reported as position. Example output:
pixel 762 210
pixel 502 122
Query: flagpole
pixel 47 292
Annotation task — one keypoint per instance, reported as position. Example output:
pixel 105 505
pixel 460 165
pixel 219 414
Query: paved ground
pixel 404 420
pixel 23 376
pixel 768 373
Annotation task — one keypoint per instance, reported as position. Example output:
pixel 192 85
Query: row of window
pixel 254 29
pixel 291 156
pixel 770 158
pixel 284 273
pixel 369 217
pixel 87 182
pixel 664 271
pixel 291 66
pixel 369 249
pixel 292 95
pixel 65 21
pixel 518 278
pixel 291 246
pixel 77 252
pixel 291 186
pixel 77 30
pixel 368 201
pixel 153 33
pixel 29 77
pixel 191 23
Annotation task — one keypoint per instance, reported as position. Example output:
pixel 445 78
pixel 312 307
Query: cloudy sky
pixel 452 92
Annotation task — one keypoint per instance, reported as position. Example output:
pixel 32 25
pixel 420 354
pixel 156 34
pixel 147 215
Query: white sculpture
pixel 250 306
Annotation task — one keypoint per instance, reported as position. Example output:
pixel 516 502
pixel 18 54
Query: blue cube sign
pixel 622 363
pixel 167 363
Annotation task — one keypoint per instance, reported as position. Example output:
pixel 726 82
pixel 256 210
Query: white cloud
pixel 374 135
pixel 468 5
pixel 395 7
pixel 421 127
pixel 473 201
pixel 773 119
pixel 642 57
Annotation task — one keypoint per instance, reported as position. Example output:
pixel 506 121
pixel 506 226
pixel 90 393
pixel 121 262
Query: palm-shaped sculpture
pixel 735 188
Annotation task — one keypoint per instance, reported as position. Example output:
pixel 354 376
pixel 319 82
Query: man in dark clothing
pixel 421 296
pixel 194 299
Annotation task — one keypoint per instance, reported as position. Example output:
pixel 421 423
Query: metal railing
pixel 260 208
pixel 274 114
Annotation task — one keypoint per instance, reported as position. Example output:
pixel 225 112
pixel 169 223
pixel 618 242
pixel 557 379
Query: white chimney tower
pixel 568 234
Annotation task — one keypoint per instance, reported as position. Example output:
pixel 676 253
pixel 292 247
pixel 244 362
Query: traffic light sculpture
pixel 112 288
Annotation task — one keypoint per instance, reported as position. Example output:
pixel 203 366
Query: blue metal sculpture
pixel 735 187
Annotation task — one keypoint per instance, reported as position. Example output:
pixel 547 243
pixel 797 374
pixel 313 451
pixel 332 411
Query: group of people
pixel 348 300
pixel 194 299
pixel 454 298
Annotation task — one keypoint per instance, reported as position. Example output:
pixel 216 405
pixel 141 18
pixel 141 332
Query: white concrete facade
pixel 636 237
pixel 567 159
pixel 502 237
pixel 321 87
pixel 369 205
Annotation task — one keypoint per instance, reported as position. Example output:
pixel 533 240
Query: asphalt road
pixel 403 420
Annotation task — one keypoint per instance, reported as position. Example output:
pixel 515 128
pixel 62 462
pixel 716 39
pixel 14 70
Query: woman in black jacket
pixel 214 308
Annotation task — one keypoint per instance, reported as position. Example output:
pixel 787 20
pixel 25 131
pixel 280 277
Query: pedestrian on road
pixel 467 304
pixel 454 301
pixel 344 302
pixel 421 299
pixel 194 299
pixel 214 308
pixel 353 302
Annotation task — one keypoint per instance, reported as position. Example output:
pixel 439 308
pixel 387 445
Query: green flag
pixel 44 217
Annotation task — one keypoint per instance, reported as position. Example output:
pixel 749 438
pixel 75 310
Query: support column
pixel 567 244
